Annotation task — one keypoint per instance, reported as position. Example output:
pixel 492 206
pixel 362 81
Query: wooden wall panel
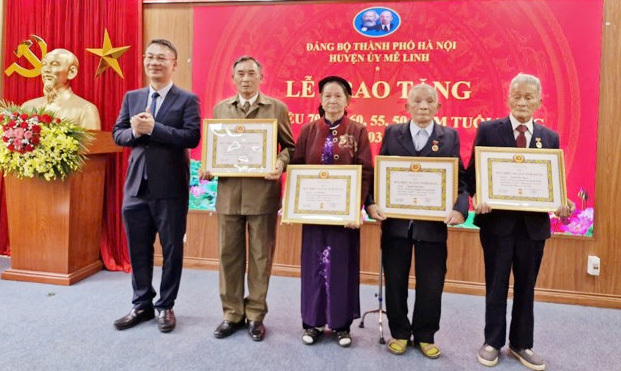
pixel 608 224
pixel 175 23
pixel 563 276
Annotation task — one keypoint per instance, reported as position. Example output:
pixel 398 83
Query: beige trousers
pixel 232 246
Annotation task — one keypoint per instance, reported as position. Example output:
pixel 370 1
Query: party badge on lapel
pixel 435 147
pixel 538 142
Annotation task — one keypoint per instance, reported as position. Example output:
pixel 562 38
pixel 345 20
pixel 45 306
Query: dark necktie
pixel 521 138
pixel 153 105
pixel 246 107
pixel 152 108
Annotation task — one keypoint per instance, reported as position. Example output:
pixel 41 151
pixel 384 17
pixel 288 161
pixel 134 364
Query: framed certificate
pixel 423 188
pixel 322 194
pixel 239 147
pixel 526 179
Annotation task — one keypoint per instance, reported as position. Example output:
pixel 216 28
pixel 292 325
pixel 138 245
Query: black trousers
pixel 501 254
pixel 430 270
pixel 143 217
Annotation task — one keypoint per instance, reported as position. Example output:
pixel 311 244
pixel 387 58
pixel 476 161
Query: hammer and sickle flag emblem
pixel 23 50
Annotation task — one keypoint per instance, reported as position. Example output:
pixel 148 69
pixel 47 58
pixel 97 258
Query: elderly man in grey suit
pixel 249 205
pixel 159 123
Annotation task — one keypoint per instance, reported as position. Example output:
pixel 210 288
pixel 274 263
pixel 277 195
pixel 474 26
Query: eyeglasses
pixel 156 58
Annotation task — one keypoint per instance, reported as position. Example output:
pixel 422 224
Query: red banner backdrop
pixel 76 25
pixel 469 50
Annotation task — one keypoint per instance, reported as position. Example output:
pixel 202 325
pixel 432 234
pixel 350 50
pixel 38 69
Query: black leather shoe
pixel 227 328
pixel 256 330
pixel 166 321
pixel 134 317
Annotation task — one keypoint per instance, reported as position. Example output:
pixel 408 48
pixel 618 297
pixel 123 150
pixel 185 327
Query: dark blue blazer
pixel 398 142
pixel 499 133
pixel 164 153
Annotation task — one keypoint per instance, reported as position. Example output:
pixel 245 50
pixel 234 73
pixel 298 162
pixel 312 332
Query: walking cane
pixel 380 298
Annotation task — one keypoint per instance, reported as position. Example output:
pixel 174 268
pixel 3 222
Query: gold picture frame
pixel 322 194
pixel 520 179
pixel 239 147
pixel 420 188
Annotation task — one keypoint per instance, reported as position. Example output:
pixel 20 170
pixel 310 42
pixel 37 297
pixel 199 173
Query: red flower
pixel 35 140
pixel 24 116
pixel 1 116
pixel 11 124
pixel 23 125
pixel 6 139
pixel 36 129
pixel 46 118
pixel 57 121
pixel 10 147
pixel 29 148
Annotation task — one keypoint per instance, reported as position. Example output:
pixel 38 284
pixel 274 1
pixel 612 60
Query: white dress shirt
pixel 420 139
pixel 528 133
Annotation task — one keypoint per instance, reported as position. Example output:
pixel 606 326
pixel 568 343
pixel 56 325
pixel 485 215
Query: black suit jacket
pixel 164 153
pixel 398 142
pixel 499 133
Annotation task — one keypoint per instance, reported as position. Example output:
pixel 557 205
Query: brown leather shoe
pixel 227 328
pixel 256 330
pixel 166 321
pixel 134 317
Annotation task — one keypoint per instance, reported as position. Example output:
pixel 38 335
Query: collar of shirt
pixel 414 129
pixel 243 101
pixel 515 123
pixel 335 124
pixel 162 92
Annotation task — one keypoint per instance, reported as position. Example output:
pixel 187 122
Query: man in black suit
pixel 386 24
pixel 159 123
pixel 512 238
pixel 419 137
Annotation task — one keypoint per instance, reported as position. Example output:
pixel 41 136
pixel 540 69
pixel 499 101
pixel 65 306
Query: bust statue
pixel 58 68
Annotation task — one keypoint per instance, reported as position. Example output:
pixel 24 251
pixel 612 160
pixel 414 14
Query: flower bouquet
pixel 580 222
pixel 36 143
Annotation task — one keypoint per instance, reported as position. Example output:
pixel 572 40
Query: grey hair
pixel 375 15
pixel 424 86
pixel 523 78
pixel 245 58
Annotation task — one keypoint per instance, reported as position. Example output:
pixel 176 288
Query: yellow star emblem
pixel 109 56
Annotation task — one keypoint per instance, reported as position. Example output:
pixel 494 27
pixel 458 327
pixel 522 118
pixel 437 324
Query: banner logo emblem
pixel 377 22
pixel 23 50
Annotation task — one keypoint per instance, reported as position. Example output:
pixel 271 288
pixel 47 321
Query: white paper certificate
pixel 322 194
pixel 524 179
pixel 423 188
pixel 239 147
